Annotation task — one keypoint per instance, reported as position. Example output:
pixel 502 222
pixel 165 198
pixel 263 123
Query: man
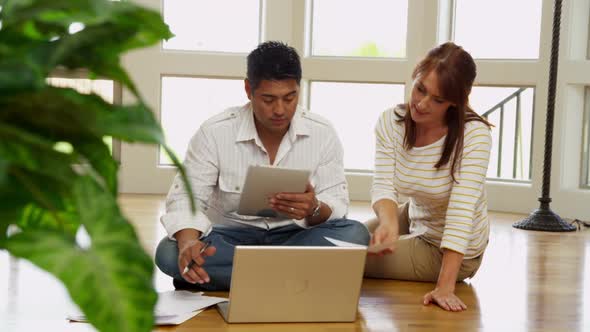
pixel 270 130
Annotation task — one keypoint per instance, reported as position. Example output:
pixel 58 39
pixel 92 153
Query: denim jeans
pixel 225 238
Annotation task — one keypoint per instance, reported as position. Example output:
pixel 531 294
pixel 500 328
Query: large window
pixel 499 35
pixel 510 46
pixel 187 102
pixel 353 109
pixel 499 29
pixel 213 26
pixel 102 88
pixel 357 59
pixel 369 28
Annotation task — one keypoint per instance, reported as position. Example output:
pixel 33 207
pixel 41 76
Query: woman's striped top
pixel 455 214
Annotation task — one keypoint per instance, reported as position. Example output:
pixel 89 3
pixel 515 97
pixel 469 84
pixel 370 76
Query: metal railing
pixel 518 144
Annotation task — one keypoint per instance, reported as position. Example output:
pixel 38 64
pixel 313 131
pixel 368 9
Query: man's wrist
pixel 187 234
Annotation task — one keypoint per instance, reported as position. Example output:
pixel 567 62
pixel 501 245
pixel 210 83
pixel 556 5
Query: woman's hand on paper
pixel 386 232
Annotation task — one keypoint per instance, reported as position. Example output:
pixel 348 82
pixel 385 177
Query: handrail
pixel 503 102
pixel 500 106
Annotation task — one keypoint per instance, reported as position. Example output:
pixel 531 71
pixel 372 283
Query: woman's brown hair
pixel 456 72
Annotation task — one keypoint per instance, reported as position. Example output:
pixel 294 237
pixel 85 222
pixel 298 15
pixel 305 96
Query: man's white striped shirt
pixel 218 157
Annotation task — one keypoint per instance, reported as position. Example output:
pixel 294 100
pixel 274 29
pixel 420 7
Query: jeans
pixel 225 238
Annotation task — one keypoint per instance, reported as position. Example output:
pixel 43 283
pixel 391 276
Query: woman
pixel 434 150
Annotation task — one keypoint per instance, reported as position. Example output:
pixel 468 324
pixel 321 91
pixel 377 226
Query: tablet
pixel 264 181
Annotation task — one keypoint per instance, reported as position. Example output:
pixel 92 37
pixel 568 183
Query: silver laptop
pixel 294 284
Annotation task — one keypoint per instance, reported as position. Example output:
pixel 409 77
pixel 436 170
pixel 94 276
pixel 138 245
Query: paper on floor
pixel 173 307
pixel 177 302
pixel 159 319
pixel 176 319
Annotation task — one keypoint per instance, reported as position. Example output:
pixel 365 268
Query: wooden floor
pixel 529 281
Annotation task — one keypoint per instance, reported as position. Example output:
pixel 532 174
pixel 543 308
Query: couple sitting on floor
pixel 433 149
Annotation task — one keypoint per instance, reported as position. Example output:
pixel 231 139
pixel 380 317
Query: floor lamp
pixel 543 219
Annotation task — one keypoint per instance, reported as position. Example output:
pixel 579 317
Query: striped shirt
pixel 218 157
pixel 455 214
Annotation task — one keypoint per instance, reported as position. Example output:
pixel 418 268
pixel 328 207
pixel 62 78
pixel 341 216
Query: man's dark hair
pixel 274 61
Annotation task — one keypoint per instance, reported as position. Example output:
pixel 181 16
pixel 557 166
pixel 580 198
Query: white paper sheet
pixel 417 231
pixel 173 307
pixel 159 319
pixel 177 302
pixel 340 243
pixel 176 319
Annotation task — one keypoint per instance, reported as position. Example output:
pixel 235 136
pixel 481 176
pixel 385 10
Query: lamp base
pixel 544 220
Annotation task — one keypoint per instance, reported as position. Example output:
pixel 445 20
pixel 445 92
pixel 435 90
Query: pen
pixel 192 262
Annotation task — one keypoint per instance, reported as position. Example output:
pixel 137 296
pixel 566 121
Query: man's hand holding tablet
pixel 273 191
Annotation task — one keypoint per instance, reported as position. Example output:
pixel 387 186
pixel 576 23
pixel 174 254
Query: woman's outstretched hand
pixel 446 299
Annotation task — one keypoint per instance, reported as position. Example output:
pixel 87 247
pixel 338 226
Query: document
pixel 159 319
pixel 173 307
pixel 178 302
pixel 417 231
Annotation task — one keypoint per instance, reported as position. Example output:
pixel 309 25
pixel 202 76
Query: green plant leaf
pixel 99 156
pixel 61 12
pixel 85 114
pixel 34 153
pixel 3 230
pixel 13 196
pixel 40 191
pixel 96 48
pixel 111 29
pixel 3 170
pixel 7 217
pixel 16 76
pixel 36 218
pixel 71 116
pixel 115 263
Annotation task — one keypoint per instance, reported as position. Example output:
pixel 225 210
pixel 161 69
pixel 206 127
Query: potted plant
pixel 50 193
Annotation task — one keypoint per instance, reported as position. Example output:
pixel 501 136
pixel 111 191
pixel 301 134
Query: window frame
pixel 585 165
pixel 261 26
pixel 428 25
pixel 308 106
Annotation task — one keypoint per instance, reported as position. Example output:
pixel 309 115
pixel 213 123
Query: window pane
pixel 355 115
pixel 370 28
pixel 201 25
pixel 103 88
pixel 510 110
pixel 187 102
pixel 499 29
